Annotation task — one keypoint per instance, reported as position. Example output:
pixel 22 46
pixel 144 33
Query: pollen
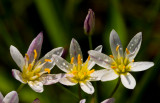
pixel 35 54
pixel 88 57
pixel 29 67
pixel 127 51
pixel 27 57
pixel 47 70
pixel 113 67
pixel 72 59
pixel 79 59
pixel 111 56
pixel 117 47
pixel 48 60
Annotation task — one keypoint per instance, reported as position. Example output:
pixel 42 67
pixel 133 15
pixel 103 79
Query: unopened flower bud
pixel 89 22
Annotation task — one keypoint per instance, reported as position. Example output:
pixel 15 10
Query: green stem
pixel 90 42
pixel 115 89
pixel 79 92
pixel 20 87
pixel 68 91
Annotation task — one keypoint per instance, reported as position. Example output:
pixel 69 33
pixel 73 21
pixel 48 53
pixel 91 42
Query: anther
pixel 27 57
pixel 127 51
pixel 111 56
pixel 113 67
pixel 91 71
pixel 117 47
pixel 88 57
pixel 79 59
pixel 48 60
pixel 35 54
pixel 29 67
pixel 124 67
pixel 133 60
pixel 38 74
pixel 72 59
pixel 47 70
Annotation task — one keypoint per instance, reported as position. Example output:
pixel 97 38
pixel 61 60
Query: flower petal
pixel 1 97
pixel 36 44
pixel 109 75
pixel 141 66
pixel 82 101
pixel 11 97
pixel 67 81
pixel 17 57
pixel 62 63
pixel 36 101
pixel 57 51
pixel 128 81
pixel 114 42
pixel 110 100
pixel 87 87
pixel 48 79
pixel 134 46
pixel 17 75
pixel 92 63
pixel 100 59
pixel 36 86
pixel 97 75
pixel 75 50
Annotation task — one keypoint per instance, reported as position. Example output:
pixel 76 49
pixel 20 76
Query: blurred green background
pixel 62 20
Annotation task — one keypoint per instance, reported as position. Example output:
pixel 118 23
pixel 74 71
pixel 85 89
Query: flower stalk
pixel 20 87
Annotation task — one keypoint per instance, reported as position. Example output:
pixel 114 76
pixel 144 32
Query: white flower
pixel 11 97
pixel 120 64
pixel 33 71
pixel 77 71
pixel 110 100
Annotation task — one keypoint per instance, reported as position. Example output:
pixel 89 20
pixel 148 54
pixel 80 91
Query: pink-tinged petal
pixel 141 66
pixel 62 63
pixel 75 50
pixel 114 42
pixel 1 97
pixel 110 100
pixel 87 87
pixel 92 63
pixel 100 59
pixel 36 44
pixel 97 75
pixel 109 75
pixel 128 81
pixel 36 86
pixel 57 51
pixel 67 81
pixel 11 97
pixel 17 75
pixel 134 46
pixel 48 79
pixel 17 57
pixel 36 101
pixel 82 101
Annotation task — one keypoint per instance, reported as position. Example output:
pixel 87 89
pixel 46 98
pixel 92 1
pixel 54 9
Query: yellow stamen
pixel 35 54
pixel 74 72
pixel 29 67
pixel 79 59
pixel 88 57
pixel 91 71
pixel 27 57
pixel 111 56
pixel 38 74
pixel 113 67
pixel 48 60
pixel 84 73
pixel 124 67
pixel 117 47
pixel 72 59
pixel 127 51
pixel 47 70
pixel 133 60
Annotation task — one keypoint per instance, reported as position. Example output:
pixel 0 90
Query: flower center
pixel 121 64
pixel 80 72
pixel 32 71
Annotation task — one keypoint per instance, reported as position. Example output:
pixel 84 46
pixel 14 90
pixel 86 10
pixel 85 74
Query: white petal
pixel 11 97
pixel 110 100
pixel 87 87
pixel 62 63
pixel 1 97
pixel 134 46
pixel 141 66
pixel 114 42
pixel 97 75
pixel 48 79
pixel 57 51
pixel 100 59
pixel 67 81
pixel 75 50
pixel 82 101
pixel 92 63
pixel 17 57
pixel 128 81
pixel 17 75
pixel 36 86
pixel 109 75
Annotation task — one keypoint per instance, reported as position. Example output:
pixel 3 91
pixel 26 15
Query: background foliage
pixel 62 20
